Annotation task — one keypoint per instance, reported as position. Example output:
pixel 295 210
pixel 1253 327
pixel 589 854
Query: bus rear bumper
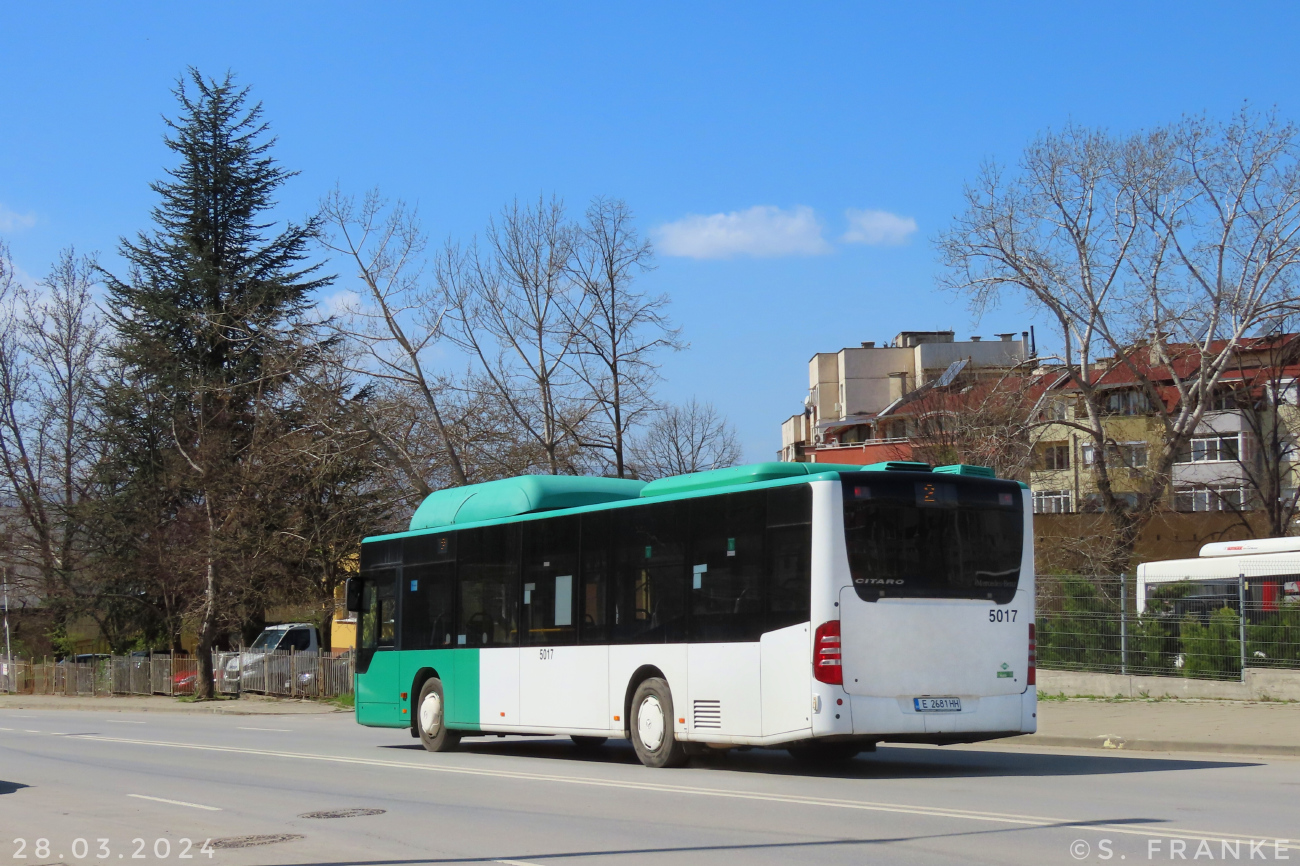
pixel 1002 714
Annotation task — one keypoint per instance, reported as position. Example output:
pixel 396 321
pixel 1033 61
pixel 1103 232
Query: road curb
pixel 1115 744
pixel 105 705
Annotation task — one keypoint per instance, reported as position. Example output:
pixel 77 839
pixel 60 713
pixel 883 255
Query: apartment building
pixel 1252 421
pixel 855 413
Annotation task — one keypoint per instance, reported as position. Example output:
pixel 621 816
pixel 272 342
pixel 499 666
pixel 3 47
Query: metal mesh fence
pixel 1194 627
pixel 280 674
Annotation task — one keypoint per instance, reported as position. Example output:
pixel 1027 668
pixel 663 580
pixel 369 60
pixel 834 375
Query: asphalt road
pixel 134 787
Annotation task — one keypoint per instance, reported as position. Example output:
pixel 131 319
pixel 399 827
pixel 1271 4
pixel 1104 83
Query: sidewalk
pixel 1225 727
pixel 245 706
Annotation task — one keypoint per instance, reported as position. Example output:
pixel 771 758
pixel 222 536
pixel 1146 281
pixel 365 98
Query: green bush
pixel 1084 633
pixel 1212 649
pixel 1277 636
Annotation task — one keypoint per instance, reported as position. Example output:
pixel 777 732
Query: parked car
pixel 252 669
pixel 183 682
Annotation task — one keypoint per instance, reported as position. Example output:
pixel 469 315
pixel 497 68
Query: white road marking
pixel 30 731
pixel 6 729
pixel 516 863
pixel 175 802
pixel 794 799
pixel 278 730
pixel 122 722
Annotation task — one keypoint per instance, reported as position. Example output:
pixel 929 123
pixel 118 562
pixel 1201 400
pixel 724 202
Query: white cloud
pixel 877 228
pixel 763 231
pixel 338 305
pixel 11 221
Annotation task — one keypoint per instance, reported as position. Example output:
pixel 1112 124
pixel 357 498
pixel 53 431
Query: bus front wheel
pixel 429 719
pixel 652 726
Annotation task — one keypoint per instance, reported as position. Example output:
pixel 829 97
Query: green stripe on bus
pixel 393 672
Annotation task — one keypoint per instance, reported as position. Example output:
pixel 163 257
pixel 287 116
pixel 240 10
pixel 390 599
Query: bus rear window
pixel 925 536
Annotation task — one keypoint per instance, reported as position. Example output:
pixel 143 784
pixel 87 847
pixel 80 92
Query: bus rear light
pixel 827 659
pixel 1032 677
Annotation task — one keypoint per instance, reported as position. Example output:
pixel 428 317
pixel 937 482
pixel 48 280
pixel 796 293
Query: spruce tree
pixel 209 324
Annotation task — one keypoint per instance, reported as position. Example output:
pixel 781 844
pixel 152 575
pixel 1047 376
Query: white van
pixel 261 660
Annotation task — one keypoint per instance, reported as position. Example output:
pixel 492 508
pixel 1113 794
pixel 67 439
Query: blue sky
pixel 793 162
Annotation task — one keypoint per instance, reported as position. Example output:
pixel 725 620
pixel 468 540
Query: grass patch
pixel 343 702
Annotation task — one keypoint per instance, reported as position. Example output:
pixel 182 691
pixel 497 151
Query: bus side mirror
pixel 352 594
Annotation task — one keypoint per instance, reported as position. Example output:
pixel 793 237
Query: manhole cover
pixel 254 841
pixel 342 813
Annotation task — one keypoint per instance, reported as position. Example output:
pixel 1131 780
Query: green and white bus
pixel 820 609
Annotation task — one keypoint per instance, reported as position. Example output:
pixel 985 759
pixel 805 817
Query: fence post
pixel 1123 625
pixel 1241 621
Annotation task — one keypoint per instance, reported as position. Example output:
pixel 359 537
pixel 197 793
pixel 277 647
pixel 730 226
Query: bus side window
pixel 428 604
pixel 378 609
pixel 651 574
pixel 727 597
pixel 789 556
pixel 550 563
pixel 369 616
pixel 488 586
pixel 387 594
pixel 594 586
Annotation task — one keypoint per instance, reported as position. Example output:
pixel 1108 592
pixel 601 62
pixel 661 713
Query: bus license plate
pixel 937 705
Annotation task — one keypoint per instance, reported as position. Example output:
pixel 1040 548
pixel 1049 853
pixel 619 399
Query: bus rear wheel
pixel 429 721
pixel 652 726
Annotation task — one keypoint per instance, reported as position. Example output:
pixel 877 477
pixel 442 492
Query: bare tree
pixel 1154 255
pixel 692 437
pixel 619 328
pixel 514 308
pixel 396 327
pixel 50 354
pixel 983 422
pixel 1262 394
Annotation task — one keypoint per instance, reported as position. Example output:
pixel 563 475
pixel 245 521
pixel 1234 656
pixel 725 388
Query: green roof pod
pixel 510 497
pixel 894 466
pixel 729 477
pixel 968 470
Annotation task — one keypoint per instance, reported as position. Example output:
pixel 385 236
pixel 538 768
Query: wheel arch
pixel 639 676
pixel 422 676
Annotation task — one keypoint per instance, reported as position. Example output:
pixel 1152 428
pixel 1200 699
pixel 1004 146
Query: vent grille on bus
pixel 708 714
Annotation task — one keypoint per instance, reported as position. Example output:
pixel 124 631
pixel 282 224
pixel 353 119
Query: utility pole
pixel 9 656
pixel 1241 621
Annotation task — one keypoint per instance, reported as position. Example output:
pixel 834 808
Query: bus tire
pixel 652 726
pixel 429 719
pixel 824 754
pixel 588 742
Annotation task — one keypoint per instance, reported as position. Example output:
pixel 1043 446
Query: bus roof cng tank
pixel 510 497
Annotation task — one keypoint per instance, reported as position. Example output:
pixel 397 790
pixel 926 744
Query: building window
pixel 1222 400
pixel 1094 504
pixel 1132 455
pixel 1052 502
pixel 1054 410
pixel 1212 499
pixel 1054 456
pixel 1211 449
pixel 1128 401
